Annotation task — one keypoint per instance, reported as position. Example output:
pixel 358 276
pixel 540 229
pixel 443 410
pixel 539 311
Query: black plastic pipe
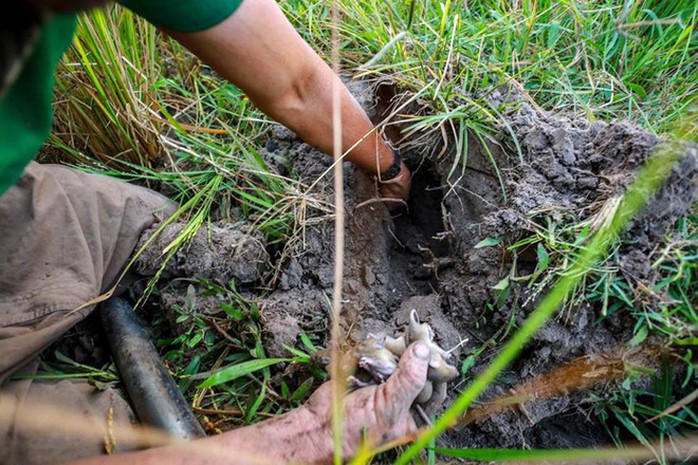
pixel 154 395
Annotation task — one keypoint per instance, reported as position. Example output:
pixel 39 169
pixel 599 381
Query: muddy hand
pixel 396 191
pixel 379 413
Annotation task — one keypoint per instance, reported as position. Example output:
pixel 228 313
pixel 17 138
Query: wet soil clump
pixel 222 252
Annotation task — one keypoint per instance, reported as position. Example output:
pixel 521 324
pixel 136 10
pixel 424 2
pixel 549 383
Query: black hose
pixel 154 395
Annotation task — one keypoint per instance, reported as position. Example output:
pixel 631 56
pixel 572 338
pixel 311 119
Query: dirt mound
pixel 222 252
pixel 563 171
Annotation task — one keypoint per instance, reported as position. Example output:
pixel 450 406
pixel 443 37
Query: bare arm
pixel 258 50
pixel 296 437
pixel 378 414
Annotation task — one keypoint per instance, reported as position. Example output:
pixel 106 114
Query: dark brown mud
pixel 222 252
pixel 565 171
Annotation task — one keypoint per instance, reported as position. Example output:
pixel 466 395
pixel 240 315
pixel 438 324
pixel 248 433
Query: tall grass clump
pixel 599 59
pixel 107 104
pixel 131 103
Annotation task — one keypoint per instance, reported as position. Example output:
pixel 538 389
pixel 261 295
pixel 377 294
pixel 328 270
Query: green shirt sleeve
pixel 183 15
pixel 26 112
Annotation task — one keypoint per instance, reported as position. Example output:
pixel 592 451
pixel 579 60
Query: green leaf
pixel 298 353
pixel 553 34
pixel 467 363
pixel 637 89
pixel 234 313
pixel 307 342
pixel 193 366
pixel 542 263
pixel 502 285
pixel 255 406
pixel 503 288
pixel 195 340
pixel 640 337
pixel 543 259
pixel 633 428
pixel 302 390
pixel 234 372
pixel 190 298
pixel 488 242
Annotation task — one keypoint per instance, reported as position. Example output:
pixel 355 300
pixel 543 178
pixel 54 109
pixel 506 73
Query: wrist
pixel 373 157
pixel 392 171
pixel 295 437
pixel 385 159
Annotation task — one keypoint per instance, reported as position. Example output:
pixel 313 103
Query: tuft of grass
pixel 131 103
pixel 219 361
pixel 600 59
pixel 637 413
pixel 106 103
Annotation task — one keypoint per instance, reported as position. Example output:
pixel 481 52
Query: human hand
pixel 396 191
pixel 378 414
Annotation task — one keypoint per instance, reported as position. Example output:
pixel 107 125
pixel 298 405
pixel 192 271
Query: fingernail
pixel 421 350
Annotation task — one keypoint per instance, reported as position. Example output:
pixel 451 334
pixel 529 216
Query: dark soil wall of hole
pixel 418 235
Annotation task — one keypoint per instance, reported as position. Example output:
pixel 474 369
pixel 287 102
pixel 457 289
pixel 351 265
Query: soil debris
pixel 221 252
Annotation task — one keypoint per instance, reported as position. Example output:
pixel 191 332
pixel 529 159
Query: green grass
pixel 219 360
pixel 142 109
pixel 133 108
pixel 601 59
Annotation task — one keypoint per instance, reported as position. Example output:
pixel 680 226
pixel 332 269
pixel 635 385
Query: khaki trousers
pixel 65 236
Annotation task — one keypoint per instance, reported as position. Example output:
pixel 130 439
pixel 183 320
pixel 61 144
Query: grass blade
pixel 234 372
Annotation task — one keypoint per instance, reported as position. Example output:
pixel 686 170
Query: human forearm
pixel 296 437
pixel 309 114
pixel 377 414
pixel 258 50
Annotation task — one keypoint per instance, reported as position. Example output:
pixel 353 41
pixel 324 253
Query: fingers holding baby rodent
pixel 403 387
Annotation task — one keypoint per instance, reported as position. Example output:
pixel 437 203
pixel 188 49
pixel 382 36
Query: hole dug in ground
pixel 418 234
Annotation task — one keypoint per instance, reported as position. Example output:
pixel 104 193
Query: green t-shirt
pixel 26 108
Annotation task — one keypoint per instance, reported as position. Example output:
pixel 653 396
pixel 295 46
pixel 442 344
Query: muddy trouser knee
pixel 65 237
